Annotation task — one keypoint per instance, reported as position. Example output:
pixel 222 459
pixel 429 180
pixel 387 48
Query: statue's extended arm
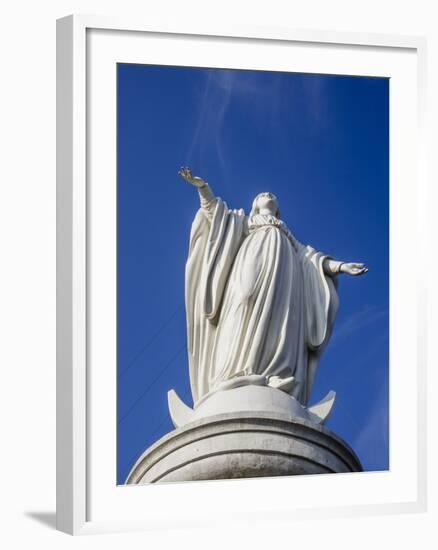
pixel 206 195
pixel 334 267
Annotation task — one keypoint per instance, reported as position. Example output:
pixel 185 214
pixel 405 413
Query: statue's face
pixel 267 204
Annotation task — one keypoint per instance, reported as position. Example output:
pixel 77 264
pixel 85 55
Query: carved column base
pixel 244 445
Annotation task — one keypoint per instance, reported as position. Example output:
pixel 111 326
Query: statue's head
pixel 267 204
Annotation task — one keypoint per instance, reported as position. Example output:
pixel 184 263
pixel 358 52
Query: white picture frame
pixel 75 393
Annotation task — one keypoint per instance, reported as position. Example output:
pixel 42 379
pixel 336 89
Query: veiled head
pixel 266 203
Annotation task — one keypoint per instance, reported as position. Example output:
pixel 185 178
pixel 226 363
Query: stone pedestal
pixel 244 444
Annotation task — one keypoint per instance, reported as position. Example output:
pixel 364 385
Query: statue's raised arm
pixel 187 175
pixel 206 195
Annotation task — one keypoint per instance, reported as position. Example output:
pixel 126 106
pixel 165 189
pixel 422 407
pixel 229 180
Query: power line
pixel 163 370
pixel 165 417
pixel 150 341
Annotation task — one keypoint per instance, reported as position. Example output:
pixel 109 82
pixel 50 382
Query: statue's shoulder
pixel 239 212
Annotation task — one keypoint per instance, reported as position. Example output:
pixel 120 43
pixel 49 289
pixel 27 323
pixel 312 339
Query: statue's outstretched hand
pixel 187 175
pixel 353 268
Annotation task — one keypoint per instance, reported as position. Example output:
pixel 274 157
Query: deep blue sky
pixel 320 143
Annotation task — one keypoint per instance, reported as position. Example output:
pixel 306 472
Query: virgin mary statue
pixel 260 305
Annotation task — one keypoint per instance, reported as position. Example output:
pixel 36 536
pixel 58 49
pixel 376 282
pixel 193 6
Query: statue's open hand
pixel 353 268
pixel 187 175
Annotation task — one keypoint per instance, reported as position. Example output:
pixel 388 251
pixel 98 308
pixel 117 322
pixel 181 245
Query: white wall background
pixel 27 275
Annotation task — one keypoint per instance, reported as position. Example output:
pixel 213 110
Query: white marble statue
pixel 260 305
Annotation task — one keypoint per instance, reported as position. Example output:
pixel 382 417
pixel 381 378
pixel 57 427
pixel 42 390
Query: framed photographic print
pixel 235 314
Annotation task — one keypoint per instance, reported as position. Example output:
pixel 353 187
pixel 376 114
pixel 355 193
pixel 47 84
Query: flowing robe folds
pixel 257 301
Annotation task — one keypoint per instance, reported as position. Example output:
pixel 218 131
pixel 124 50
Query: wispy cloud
pixel 213 106
pixel 357 321
pixel 226 81
pixel 202 116
pixel 264 102
pixel 372 441
pixel 315 91
pixel 221 88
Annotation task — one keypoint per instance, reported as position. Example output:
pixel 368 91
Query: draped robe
pixel 257 302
